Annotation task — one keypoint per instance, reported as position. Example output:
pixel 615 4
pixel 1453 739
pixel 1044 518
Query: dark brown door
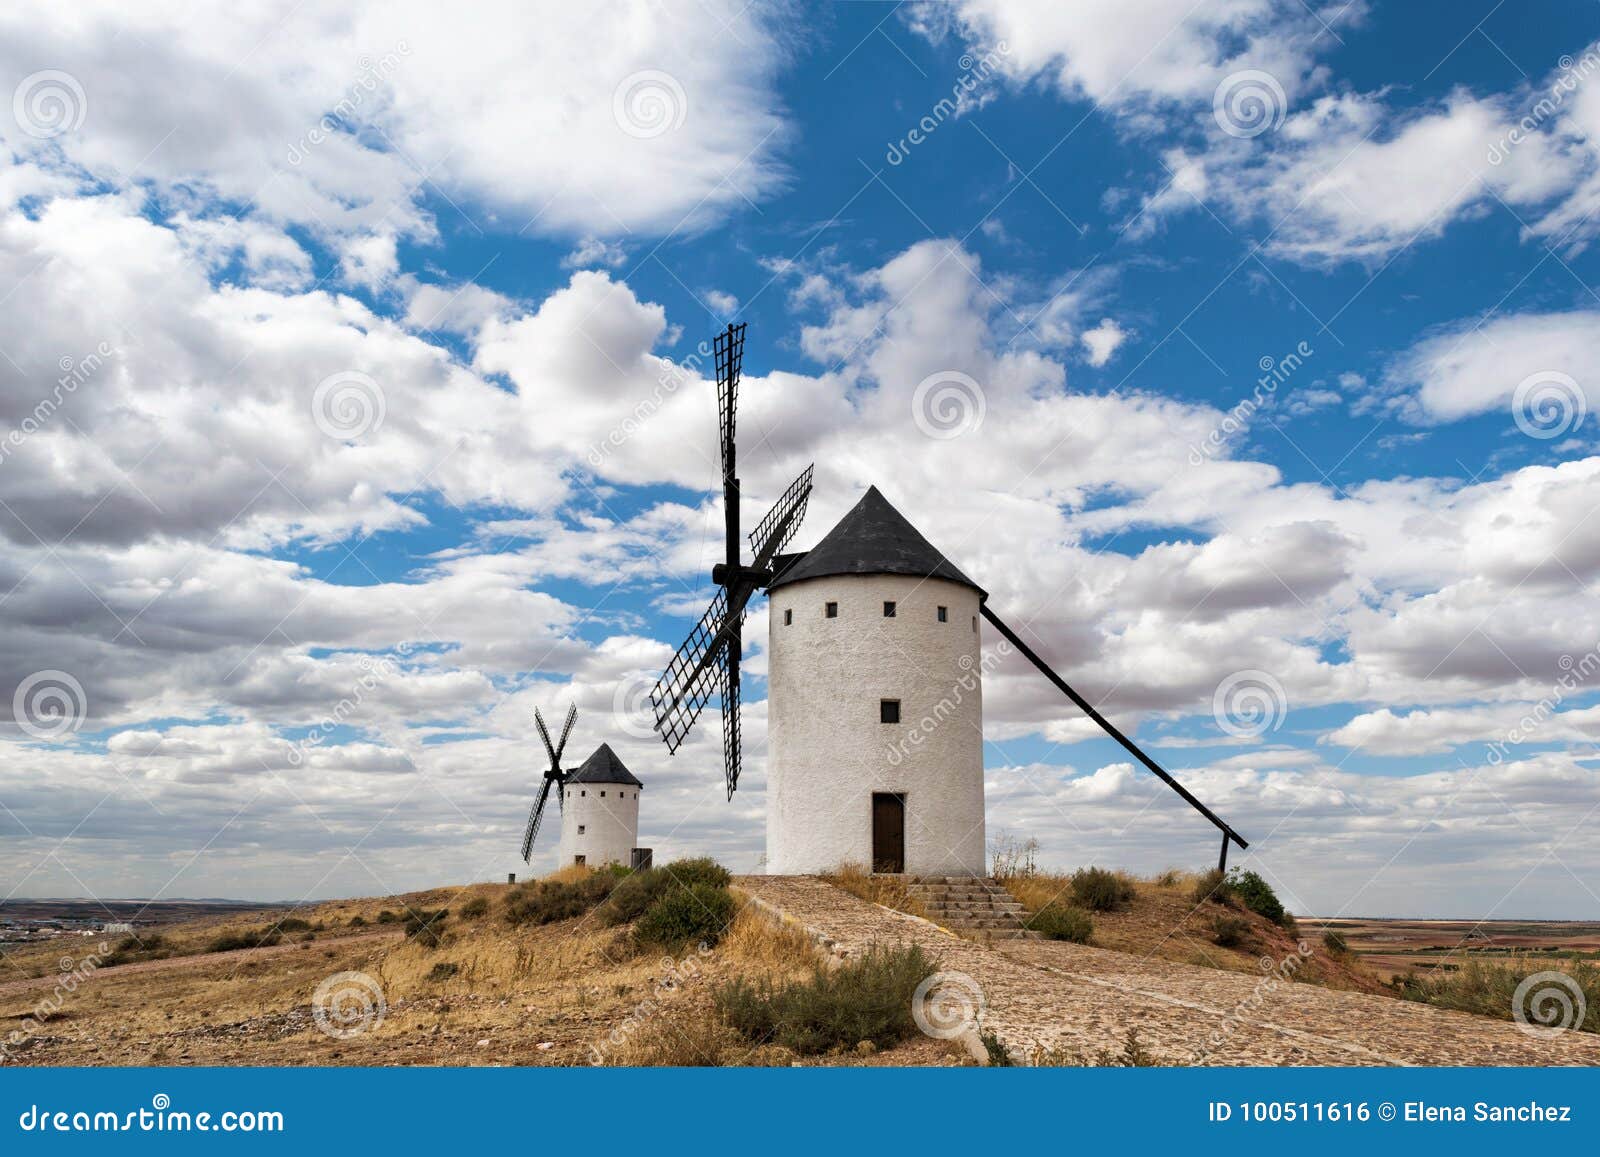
pixel 888 832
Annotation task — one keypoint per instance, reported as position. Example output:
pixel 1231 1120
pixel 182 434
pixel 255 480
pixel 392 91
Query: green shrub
pixel 233 941
pixel 866 999
pixel 699 913
pixel 1257 895
pixel 1099 890
pixel 358 921
pixel 546 901
pixel 388 917
pixel 475 907
pixel 1229 931
pixel 1059 922
pixel 443 970
pixel 1212 886
pixel 700 870
pixel 1335 943
pixel 637 892
pixel 294 924
pixel 632 897
pixel 140 946
pixel 427 928
pixel 1490 989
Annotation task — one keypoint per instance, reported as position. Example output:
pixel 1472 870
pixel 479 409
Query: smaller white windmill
pixel 599 802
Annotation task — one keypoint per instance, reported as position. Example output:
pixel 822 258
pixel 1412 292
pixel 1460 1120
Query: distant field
pixel 1393 947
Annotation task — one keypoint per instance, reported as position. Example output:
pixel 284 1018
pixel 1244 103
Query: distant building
pixel 600 811
pixel 124 927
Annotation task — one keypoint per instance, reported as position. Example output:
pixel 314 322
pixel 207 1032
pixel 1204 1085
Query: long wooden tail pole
pixel 1110 729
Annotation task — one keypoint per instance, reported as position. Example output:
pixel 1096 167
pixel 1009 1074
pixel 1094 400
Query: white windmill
pixel 875 694
pixel 599 802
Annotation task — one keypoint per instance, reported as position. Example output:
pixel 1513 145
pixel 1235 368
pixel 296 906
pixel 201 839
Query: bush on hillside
pixel 426 928
pixel 1059 922
pixel 1212 886
pixel 1099 890
pixel 1490 989
pixel 1257 895
pixel 866 999
pixel 233 941
pixel 1335 943
pixel 475 907
pixel 546 901
pixel 638 891
pixel 1229 931
pixel 698 914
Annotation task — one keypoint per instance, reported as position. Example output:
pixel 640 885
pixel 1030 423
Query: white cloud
pixel 1130 55
pixel 337 120
pixel 1103 341
pixel 1474 367
pixel 592 251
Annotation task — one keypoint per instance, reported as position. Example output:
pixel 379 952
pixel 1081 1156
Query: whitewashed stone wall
pixel 608 813
pixel 828 751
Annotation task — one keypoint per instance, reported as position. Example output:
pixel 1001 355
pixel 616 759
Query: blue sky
pixel 354 392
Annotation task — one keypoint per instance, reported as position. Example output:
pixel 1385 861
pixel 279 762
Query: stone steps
pixel 971 906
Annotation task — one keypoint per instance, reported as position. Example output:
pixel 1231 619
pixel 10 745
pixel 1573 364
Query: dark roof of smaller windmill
pixel 603 767
pixel 874 538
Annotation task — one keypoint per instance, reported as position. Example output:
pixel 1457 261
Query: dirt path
pixel 1082 1001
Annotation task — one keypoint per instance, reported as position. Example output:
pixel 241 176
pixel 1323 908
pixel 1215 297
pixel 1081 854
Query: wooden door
pixel 888 832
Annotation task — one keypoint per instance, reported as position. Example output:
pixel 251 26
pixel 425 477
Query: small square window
pixel 888 711
pixel 584 793
pixel 944 614
pixel 580 829
pixel 580 859
pixel 831 610
pixel 888 610
pixel 788 617
pixel 974 622
pixel 602 795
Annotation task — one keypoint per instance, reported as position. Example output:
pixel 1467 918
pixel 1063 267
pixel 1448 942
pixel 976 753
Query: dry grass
pixel 1164 921
pixel 890 891
pixel 760 941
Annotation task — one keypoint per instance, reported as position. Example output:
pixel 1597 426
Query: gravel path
pixel 1081 1002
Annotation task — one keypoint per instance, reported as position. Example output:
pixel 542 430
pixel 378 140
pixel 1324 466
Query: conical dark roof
pixel 874 538
pixel 603 767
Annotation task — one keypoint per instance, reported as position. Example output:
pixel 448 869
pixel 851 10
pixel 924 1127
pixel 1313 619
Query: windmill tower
pixel 875 700
pixel 875 705
pixel 599 811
